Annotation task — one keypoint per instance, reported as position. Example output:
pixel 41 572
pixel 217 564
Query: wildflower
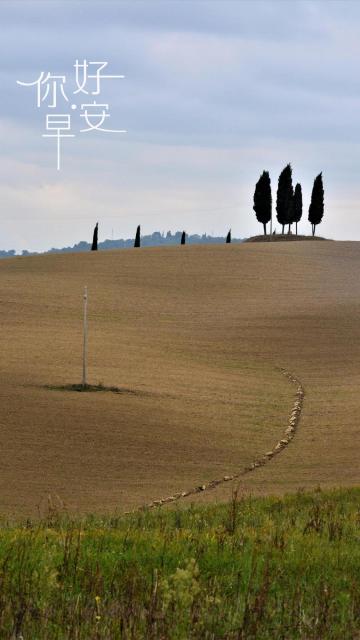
pixel 97 601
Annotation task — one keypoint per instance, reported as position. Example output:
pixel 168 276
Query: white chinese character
pixel 51 84
pixel 85 75
pixel 58 122
pixel 97 116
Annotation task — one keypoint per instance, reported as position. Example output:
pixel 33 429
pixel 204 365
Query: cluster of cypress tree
pixel 288 201
pixel 288 205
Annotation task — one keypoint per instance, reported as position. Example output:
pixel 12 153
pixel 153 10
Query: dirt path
pixel 288 436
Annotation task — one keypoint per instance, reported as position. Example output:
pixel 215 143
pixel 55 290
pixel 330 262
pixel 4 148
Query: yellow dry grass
pixel 194 335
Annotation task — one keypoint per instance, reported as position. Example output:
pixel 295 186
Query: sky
pixel 214 93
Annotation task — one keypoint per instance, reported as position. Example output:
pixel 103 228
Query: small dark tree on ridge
pixel 94 245
pixel 316 209
pixel 228 237
pixel 183 238
pixel 137 237
pixel 285 198
pixel 297 205
pixel 262 199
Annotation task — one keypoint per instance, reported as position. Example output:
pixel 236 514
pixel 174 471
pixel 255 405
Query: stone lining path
pixel 288 435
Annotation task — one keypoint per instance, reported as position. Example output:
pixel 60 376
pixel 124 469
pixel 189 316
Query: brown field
pixel 194 335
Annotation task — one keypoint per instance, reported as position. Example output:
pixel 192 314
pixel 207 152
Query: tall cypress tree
pixel 316 209
pixel 183 238
pixel 94 245
pixel 137 237
pixel 262 199
pixel 228 237
pixel 285 198
pixel 297 205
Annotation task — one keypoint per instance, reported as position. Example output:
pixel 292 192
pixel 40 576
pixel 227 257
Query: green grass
pixel 255 568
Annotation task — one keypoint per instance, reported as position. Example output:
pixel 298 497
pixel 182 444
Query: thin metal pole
pixel 85 340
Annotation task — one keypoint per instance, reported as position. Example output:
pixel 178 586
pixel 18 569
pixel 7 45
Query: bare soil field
pixel 193 336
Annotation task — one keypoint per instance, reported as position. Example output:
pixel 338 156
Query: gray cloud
pixel 215 92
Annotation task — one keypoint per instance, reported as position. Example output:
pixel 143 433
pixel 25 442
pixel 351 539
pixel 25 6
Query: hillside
pixel 194 336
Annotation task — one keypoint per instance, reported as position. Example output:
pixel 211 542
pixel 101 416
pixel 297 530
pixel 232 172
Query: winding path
pixel 288 436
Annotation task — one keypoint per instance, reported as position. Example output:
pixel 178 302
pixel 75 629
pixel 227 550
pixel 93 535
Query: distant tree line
pixel 155 239
pixel 289 204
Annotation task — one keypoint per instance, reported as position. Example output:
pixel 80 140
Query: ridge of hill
pixel 283 237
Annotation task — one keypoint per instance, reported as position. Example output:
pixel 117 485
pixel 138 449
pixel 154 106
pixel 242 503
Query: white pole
pixel 85 340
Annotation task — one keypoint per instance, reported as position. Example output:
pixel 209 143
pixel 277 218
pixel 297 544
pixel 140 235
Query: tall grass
pixel 256 569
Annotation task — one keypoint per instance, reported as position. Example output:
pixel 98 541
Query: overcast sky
pixel 214 93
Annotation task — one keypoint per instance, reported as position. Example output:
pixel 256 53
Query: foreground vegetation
pixel 256 568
